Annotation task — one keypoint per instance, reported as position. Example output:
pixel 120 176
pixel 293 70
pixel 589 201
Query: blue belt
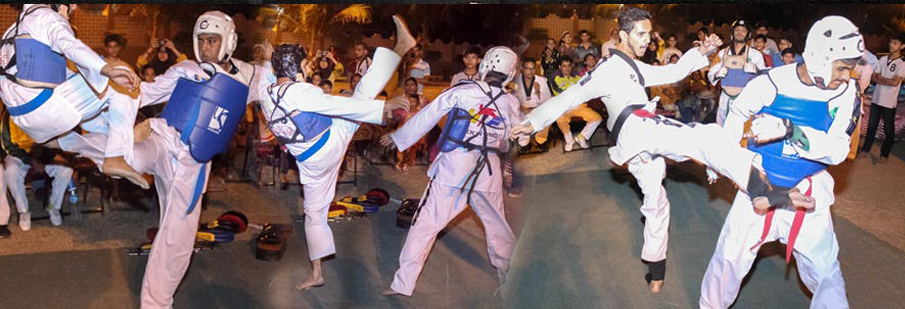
pixel 31 105
pixel 314 148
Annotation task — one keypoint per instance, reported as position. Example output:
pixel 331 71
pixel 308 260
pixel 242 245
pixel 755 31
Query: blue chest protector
pixel 207 113
pixel 787 170
pixel 37 65
pixel 307 125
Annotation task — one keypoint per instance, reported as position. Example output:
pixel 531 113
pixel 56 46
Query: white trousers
pixel 4 203
pixel 181 181
pixel 815 249
pixel 442 205
pixel 723 110
pixel 14 178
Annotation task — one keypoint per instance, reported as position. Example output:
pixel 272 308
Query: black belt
pixel 627 111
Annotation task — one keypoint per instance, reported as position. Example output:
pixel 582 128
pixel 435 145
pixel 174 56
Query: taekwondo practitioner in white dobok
pixel 805 116
pixel 467 170
pixel 48 99
pixel 619 82
pixel 207 100
pixel 735 66
pixel 317 129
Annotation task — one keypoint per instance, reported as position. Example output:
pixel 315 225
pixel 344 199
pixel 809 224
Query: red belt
pixel 793 232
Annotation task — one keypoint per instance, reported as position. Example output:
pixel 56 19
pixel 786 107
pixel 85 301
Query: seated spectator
pixel 353 82
pixel 327 86
pixel 785 43
pixel 590 60
pixel 562 80
pixel 788 56
pixel 760 43
pixel 21 155
pixel 148 74
pixel 671 49
pixel 327 67
pixel 315 79
pixel 549 58
pixel 162 54
pixel 650 55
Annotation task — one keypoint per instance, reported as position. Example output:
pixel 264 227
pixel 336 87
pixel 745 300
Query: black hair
pixel 472 50
pixel 674 56
pixel 583 31
pixel 495 78
pixel 655 61
pixel 671 35
pixel 354 75
pixel 787 51
pixel 898 37
pixel 562 59
pixel 410 79
pixel 627 18
pixel 762 23
pixel 119 39
pixel 705 30
pixel 362 43
pixel 588 55
pixel 760 37
pixel 528 59
pixel 326 82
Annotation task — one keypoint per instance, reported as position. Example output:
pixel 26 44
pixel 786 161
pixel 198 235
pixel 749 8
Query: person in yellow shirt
pixel 161 55
pixel 562 80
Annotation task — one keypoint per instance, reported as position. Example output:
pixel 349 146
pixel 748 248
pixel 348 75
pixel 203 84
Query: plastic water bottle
pixel 73 197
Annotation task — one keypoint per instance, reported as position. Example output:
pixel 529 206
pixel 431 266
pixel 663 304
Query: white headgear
pixel 830 39
pixel 216 22
pixel 499 59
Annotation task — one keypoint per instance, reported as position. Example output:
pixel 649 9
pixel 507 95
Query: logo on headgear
pixel 203 24
pixel 217 120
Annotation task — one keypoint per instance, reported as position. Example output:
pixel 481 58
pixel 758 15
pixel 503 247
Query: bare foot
pixel 142 131
pixel 390 292
pixel 117 167
pixel 655 286
pixel 312 282
pixel 404 39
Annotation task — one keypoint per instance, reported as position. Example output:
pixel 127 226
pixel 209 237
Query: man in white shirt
pixel 471 57
pixel 418 68
pixel 611 44
pixel 888 74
